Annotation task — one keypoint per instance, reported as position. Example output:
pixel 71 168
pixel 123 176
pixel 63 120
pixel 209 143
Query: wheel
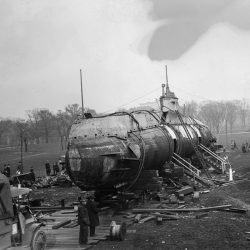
pixel 38 240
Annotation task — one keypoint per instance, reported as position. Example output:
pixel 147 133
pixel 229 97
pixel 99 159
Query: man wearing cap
pixel 93 214
pixel 83 221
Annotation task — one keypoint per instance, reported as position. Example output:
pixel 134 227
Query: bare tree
pixel 63 124
pixel 46 118
pixel 191 108
pixel 34 124
pixel 4 127
pixel 244 110
pixel 21 128
pixel 73 110
pixel 213 114
pixel 231 113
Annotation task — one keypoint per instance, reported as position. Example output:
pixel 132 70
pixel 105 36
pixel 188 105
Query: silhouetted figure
pixel 243 148
pixel 32 175
pixel 47 167
pixel 233 145
pixel 5 170
pixel 8 170
pixel 55 168
pixel 83 221
pixel 93 215
pixel 18 169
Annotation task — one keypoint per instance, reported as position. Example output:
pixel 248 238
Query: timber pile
pixel 161 214
pixel 62 230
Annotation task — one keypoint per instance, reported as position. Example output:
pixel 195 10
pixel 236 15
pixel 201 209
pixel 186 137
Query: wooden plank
pixel 61 224
pixel 163 210
pixel 234 210
pixel 70 248
pixel 137 218
pixel 147 219
pixel 185 190
pixel 167 216
pixel 72 224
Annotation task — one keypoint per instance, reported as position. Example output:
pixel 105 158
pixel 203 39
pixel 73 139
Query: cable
pixel 125 104
pixel 141 165
pixel 192 94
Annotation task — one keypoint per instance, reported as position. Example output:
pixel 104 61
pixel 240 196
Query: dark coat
pixel 93 213
pixel 83 218
pixel 83 221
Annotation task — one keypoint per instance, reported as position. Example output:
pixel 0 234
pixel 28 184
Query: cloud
pixel 186 21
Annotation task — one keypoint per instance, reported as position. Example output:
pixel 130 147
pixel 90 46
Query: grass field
pixel 239 138
pixel 35 157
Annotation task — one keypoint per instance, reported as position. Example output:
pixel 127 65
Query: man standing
pixel 47 167
pixel 93 214
pixel 55 166
pixel 19 167
pixel 32 175
pixel 83 221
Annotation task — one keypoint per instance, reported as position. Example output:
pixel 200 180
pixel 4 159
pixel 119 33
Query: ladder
pixel 215 157
pixel 189 169
pixel 196 149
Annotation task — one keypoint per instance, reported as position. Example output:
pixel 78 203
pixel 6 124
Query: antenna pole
pixel 167 87
pixel 82 94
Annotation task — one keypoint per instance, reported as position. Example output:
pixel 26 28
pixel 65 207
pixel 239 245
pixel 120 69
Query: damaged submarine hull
pixel 110 153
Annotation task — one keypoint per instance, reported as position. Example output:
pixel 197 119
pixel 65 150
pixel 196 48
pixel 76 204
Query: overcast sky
pixel 122 47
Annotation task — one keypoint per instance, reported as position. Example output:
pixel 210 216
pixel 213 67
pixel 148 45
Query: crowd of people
pixel 245 147
pixel 13 172
pixel 57 167
pixel 8 172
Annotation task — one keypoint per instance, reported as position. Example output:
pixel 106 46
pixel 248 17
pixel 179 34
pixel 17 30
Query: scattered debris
pixel 117 232
pixel 196 196
pixel 199 216
pixel 159 220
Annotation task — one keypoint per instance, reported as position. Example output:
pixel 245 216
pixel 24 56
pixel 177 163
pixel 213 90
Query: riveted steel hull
pixel 112 151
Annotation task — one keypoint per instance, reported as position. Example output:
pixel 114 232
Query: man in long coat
pixel 83 221
pixel 93 215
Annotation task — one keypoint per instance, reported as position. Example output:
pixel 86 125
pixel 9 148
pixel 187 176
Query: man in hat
pixel 83 221
pixel 93 214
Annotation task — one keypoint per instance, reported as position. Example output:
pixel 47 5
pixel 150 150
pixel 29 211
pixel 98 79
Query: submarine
pixel 110 153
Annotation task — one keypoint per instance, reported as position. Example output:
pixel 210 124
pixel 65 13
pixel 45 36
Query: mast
pixel 167 86
pixel 82 94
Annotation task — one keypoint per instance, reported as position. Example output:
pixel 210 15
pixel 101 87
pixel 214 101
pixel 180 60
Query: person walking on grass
pixel 93 214
pixel 83 221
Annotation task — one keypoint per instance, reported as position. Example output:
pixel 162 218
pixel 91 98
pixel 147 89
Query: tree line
pixel 221 116
pixel 41 125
